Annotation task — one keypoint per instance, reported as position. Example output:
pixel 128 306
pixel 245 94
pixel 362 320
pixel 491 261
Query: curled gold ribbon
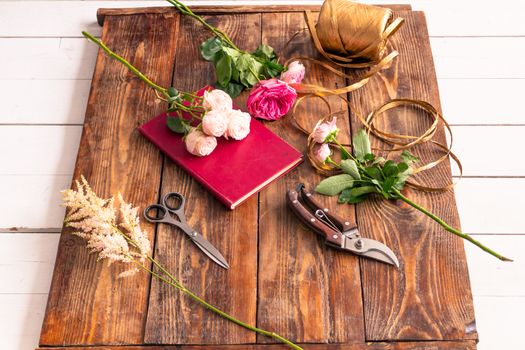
pixel 399 142
pixel 352 35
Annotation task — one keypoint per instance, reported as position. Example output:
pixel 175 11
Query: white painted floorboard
pixel 45 75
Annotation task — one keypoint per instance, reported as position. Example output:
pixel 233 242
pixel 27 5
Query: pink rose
pixel 271 99
pixel 200 144
pixel 217 100
pixel 324 131
pixel 238 125
pixel 294 74
pixel 322 152
pixel 215 122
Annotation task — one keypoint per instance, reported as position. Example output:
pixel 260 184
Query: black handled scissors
pixel 168 214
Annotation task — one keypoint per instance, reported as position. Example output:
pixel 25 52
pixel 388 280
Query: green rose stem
pixel 126 63
pixel 172 281
pixel 448 227
pixel 344 151
pixel 157 88
pixel 333 139
pixel 185 10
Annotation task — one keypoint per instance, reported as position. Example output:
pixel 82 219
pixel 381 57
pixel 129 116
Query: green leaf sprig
pixel 364 174
pixel 235 69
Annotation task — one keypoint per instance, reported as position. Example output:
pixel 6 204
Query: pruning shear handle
pixel 332 237
pixel 308 198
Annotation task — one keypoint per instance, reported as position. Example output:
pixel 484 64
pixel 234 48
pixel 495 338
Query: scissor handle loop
pixel 174 197
pixel 161 213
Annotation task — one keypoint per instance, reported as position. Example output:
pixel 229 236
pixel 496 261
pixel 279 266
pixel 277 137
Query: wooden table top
pixel 282 278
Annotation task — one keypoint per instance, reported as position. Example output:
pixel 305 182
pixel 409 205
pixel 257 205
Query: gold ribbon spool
pixel 347 32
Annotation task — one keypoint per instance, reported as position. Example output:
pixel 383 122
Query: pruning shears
pixel 338 233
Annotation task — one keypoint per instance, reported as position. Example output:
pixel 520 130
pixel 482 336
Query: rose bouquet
pixel 200 118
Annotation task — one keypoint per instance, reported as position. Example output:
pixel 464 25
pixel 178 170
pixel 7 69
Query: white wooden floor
pixel 45 72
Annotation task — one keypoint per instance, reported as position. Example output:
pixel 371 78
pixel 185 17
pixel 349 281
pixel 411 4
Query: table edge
pixel 209 9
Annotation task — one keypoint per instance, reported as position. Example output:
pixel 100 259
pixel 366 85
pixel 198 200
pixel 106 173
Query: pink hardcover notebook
pixel 235 169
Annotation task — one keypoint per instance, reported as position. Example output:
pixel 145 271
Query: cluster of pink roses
pixel 323 134
pixel 219 120
pixel 271 99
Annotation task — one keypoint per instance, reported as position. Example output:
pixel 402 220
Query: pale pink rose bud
pixel 271 99
pixel 238 125
pixel 322 152
pixel 217 100
pixel 215 122
pixel 325 130
pixel 200 144
pixel 294 74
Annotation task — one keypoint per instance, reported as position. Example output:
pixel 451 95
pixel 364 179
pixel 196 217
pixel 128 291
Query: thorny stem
pixel 172 281
pixel 448 227
pixel 219 33
pixel 158 89
pixel 126 63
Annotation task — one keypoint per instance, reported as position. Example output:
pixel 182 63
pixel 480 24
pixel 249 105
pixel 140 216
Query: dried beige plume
pixel 113 235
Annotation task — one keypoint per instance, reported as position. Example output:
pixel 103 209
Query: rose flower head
pixel 325 131
pixel 322 152
pixel 294 74
pixel 215 122
pixel 238 125
pixel 271 99
pixel 217 100
pixel 200 144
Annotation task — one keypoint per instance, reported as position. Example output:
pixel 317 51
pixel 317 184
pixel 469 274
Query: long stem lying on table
pixel 113 55
pixel 450 228
pixel 95 220
pixel 365 174
pixel 170 98
pixel 185 10
pixel 174 283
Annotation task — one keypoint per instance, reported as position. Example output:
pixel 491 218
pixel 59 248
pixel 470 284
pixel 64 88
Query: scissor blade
pixel 210 250
pixel 374 250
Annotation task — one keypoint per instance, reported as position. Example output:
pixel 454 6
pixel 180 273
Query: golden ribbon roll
pixel 353 31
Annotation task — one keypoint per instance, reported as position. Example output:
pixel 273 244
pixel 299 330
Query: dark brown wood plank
pixel 207 9
pixel 429 298
pixel 307 292
pixel 437 345
pixel 173 318
pixel 87 303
